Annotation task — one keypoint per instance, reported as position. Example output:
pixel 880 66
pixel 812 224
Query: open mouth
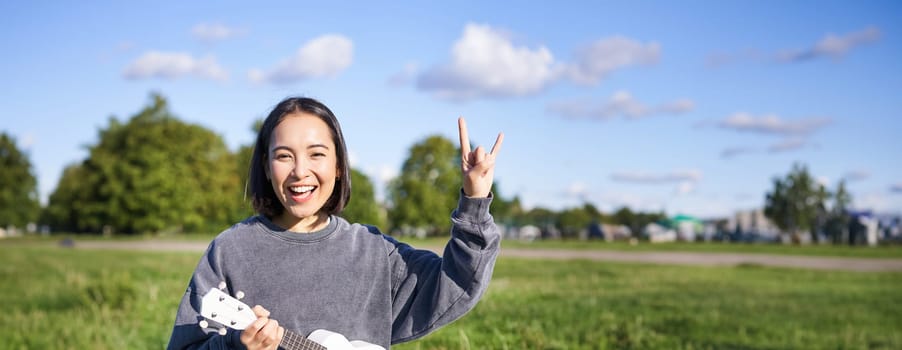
pixel 301 193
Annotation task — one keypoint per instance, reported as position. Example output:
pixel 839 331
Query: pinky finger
pixel 497 147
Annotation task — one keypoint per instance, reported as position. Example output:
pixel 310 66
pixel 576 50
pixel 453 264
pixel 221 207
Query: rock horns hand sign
pixel 477 167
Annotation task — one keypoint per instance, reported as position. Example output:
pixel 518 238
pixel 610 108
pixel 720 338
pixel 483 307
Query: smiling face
pixel 302 167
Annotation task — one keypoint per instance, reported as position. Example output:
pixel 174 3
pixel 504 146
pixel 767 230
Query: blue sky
pixel 688 107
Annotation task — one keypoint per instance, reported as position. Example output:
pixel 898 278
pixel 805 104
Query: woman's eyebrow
pixel 315 145
pixel 283 147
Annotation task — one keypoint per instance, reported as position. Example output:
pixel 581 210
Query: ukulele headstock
pixel 225 310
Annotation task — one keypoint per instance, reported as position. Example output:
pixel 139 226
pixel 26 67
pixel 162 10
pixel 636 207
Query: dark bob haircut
pixel 260 189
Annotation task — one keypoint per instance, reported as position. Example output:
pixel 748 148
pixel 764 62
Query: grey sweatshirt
pixel 346 278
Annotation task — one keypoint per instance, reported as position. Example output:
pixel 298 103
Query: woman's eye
pixel 283 156
pixel 318 155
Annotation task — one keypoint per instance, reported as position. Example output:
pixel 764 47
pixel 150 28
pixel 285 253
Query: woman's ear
pixel 266 168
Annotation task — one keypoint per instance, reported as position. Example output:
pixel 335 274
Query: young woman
pixel 311 269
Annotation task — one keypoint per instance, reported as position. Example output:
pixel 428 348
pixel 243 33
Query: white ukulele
pixel 227 311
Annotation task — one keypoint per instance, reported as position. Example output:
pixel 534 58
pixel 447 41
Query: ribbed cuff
pixel 475 210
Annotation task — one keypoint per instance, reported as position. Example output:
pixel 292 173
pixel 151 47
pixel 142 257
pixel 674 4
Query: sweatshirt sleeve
pixel 187 333
pixel 429 291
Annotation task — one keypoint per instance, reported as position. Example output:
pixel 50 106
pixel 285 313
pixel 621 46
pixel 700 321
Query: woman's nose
pixel 301 168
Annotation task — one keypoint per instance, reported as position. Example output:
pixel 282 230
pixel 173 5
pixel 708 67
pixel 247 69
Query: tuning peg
pixel 222 285
pixel 239 295
pixel 204 325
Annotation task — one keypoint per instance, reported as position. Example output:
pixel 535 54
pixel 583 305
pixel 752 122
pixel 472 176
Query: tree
pixel 65 203
pixel 363 207
pixel 19 203
pixel 243 164
pixel 154 173
pixel 515 213
pixel 504 211
pixel 795 202
pixel 543 218
pixel 838 219
pixel 625 216
pixel 573 220
pixel 636 221
pixel 592 211
pixel 427 189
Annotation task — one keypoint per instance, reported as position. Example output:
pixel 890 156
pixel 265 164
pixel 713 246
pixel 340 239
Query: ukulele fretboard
pixel 293 341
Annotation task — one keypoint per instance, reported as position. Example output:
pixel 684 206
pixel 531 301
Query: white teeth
pixel 302 189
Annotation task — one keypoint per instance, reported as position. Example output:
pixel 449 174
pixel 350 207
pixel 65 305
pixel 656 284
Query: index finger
pixel 260 311
pixel 464 137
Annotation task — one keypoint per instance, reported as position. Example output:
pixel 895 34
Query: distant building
pixel 658 233
pixel 752 223
pixel 528 233
pixel 10 231
pixel 687 227
pixel 864 227
pixel 614 232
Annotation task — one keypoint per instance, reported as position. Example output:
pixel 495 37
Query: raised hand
pixel 477 167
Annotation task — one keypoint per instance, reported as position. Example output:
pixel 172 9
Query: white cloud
pixel 788 144
pixel 773 124
pixel 680 106
pixel 785 145
pixel 485 63
pixel 856 175
pixel 897 188
pixel 735 151
pixel 172 65
pixel 832 45
pixel 794 133
pixel 325 56
pixel 595 61
pixel 622 103
pixel 406 76
pixel 611 201
pixel 213 32
pixel 653 178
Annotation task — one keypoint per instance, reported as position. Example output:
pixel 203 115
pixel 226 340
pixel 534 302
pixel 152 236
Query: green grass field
pixel 881 251
pixel 81 299
pixel 893 251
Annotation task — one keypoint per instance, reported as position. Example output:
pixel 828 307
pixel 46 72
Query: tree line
pixel 155 173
